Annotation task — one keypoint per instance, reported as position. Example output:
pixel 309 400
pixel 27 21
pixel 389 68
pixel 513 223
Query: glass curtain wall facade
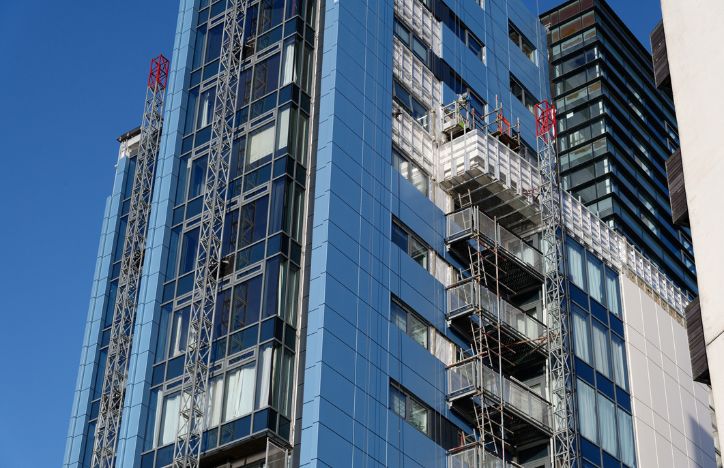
pixel 616 130
pixel 256 321
pixel 342 326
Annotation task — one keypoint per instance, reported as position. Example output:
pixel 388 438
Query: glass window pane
pixel 216 402
pixel 399 237
pixel 206 108
pixel 595 278
pixel 179 331
pixel 418 415
pixel 417 329
pixel 607 425
pixel 397 402
pixel 619 362
pixel 418 252
pixel 283 129
pixel 612 292
pixel 575 263
pixel 625 438
pixel 169 419
pixel 288 70
pixel 398 316
pixel 239 393
pixel 581 335
pixel 261 144
pixel 587 411
pixel 600 349
pixel 266 77
pixel 264 378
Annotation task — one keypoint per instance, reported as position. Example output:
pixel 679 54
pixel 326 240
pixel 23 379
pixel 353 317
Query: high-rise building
pixel 616 131
pixel 688 65
pixel 386 288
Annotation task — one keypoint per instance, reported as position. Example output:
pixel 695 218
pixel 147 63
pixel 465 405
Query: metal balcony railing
pixel 470 377
pixel 476 457
pixel 471 221
pixel 471 295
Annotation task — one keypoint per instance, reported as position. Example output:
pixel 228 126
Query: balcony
pixel 498 180
pixel 470 382
pixel 470 233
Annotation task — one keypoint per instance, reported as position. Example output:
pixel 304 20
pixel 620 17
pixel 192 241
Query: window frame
pixel 412 239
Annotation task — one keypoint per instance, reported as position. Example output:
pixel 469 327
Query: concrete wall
pixel 696 61
pixel 672 419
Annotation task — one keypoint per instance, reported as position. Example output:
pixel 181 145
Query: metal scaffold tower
pixel 558 329
pixel 134 244
pixel 187 449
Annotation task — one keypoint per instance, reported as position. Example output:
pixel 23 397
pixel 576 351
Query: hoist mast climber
pixel 124 311
pixel 187 449
pixel 558 329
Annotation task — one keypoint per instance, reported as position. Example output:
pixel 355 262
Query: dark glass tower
pixel 616 131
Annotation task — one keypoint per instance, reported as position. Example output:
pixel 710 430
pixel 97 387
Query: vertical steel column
pixel 187 449
pixel 558 328
pixel 134 244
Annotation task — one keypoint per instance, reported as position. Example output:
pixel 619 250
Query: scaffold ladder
pixel 187 449
pixel 558 327
pixel 134 244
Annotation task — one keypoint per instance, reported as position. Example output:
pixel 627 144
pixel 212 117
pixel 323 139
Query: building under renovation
pixel 338 238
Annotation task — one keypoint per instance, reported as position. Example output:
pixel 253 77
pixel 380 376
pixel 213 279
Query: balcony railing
pixel 471 221
pixel 476 457
pixel 471 295
pixel 469 377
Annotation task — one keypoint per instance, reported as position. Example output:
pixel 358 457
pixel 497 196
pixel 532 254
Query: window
pixel 411 244
pixel 595 278
pixel 607 425
pixel 581 340
pixel 475 45
pixel 413 107
pixel 206 108
pixel 612 292
pixel 411 171
pixel 409 322
pixel 253 221
pixel 414 43
pixel 246 303
pixel 619 362
pixel 261 143
pixel 522 94
pixel 521 41
pixel 587 411
pixel 215 397
pixel 625 438
pixel 169 419
pixel 575 263
pixel 179 332
pixel 239 393
pixel 188 251
pixel 600 349
pixel 410 409
pixel 266 77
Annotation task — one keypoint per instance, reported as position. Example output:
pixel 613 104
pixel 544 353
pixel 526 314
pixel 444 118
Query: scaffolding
pixel 193 405
pixel 504 275
pixel 134 244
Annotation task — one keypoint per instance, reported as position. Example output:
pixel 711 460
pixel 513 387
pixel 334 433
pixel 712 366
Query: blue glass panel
pixel 209 440
pixel 185 284
pixel 616 325
pixel 147 460
pixel 235 430
pixel 599 312
pixel 605 386
pixel 271 287
pixel 218 350
pixel 249 256
pixel 168 291
pixel 590 451
pixel 243 339
pixel 175 367
pixel 158 374
pixel 256 178
pixel 585 372
pixel 610 462
pixel 578 295
pixel 264 419
pixel 246 303
pixel 164 456
pixel 623 399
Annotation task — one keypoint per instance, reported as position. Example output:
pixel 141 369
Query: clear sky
pixel 72 79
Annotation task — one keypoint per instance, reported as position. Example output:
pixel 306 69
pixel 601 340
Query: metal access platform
pixel 480 161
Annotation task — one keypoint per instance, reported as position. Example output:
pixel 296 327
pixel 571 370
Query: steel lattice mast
pixel 134 244
pixel 187 449
pixel 558 329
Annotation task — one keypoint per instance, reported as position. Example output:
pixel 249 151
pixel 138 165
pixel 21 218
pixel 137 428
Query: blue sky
pixel 72 80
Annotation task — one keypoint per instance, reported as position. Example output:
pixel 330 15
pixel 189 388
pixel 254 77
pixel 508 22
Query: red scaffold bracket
pixel 158 75
pixel 545 121
pixel 503 124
